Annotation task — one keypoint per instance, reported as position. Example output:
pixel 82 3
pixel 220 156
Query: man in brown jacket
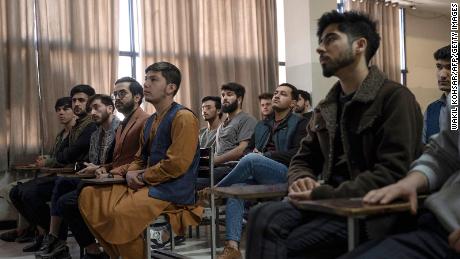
pixel 363 136
pixel 128 94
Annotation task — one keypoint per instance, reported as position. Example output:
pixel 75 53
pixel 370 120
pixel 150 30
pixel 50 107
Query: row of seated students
pixel 360 142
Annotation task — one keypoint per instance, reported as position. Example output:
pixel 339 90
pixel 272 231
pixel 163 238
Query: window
pixel 128 62
pixel 281 41
pixel 402 45
pixel 340 6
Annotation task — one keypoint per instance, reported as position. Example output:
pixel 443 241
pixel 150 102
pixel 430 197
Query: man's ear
pixel 137 98
pixel 360 45
pixel 240 101
pixel 171 88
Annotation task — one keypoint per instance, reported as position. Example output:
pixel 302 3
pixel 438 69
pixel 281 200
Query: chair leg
pixel 190 232
pixel 171 236
pixel 148 250
pixel 217 227
pixel 197 230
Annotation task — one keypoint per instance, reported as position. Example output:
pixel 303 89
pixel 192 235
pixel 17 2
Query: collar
pixel 366 92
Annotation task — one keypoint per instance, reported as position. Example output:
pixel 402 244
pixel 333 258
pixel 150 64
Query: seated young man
pixel 100 152
pixel 234 132
pixel 274 141
pixel 437 172
pixel 210 110
pixel 160 180
pixel 31 198
pixel 432 121
pixel 66 117
pixel 363 136
pixel 265 105
pixel 128 94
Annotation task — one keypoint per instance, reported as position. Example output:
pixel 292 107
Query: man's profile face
pixel 229 101
pixel 100 112
pixel 282 99
pixel 79 103
pixel 124 100
pixel 266 107
pixel 155 87
pixel 209 110
pixel 443 74
pixel 335 50
pixel 301 105
pixel 64 114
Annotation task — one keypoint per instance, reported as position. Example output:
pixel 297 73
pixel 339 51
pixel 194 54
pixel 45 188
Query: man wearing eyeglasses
pixel 128 95
pixel 160 180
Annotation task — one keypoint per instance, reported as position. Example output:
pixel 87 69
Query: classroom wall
pixel 302 63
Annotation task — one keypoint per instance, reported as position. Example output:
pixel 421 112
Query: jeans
pixel 252 169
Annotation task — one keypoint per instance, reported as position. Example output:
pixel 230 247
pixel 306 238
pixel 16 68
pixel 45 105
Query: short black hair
pixel 355 25
pixel 294 93
pixel 238 89
pixel 87 89
pixel 170 72
pixel 265 96
pixel 442 53
pixel 105 99
pixel 215 99
pixel 134 87
pixel 305 95
pixel 65 102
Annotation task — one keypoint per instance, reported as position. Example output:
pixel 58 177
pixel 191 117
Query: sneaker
pixel 9 236
pixel 157 236
pixel 50 244
pixel 230 253
pixel 35 246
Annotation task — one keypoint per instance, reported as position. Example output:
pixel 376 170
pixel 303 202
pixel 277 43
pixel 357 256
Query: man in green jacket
pixel 362 136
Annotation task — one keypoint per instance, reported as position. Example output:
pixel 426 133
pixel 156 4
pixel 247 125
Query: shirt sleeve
pixel 246 128
pixel 69 154
pixel 440 160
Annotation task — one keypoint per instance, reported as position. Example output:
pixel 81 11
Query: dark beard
pixel 127 108
pixel 330 68
pixel 299 109
pixel 230 108
pixel 104 118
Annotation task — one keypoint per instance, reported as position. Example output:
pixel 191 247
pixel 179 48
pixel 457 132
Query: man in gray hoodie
pixel 436 172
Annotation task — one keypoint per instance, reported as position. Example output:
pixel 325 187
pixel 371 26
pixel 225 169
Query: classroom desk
pixel 64 171
pixel 353 209
pixel 252 192
pixel 26 169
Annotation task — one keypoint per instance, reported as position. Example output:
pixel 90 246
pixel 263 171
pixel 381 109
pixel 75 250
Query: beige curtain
pixel 213 42
pixel 77 44
pixel 387 57
pixel 19 99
